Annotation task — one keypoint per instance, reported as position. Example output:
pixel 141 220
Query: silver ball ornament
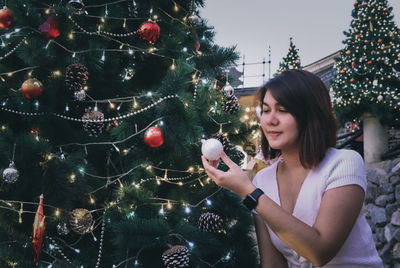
pixel 228 90
pixel 211 149
pixel 10 174
pixel 62 229
pixel 80 95
pixel 380 98
pixel 194 19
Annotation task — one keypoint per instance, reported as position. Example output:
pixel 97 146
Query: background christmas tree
pixel 103 108
pixel 368 70
pixel 291 60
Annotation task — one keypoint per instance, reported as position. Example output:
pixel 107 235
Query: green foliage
pixel 368 69
pixel 125 184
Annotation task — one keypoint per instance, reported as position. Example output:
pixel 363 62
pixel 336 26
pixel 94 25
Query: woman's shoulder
pixel 334 156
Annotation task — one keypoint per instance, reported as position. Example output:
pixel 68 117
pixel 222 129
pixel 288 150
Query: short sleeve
pixel 346 169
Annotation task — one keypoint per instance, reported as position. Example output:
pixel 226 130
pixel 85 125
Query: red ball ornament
pixel 154 137
pixel 379 41
pixel 353 64
pixel 342 72
pixel 358 36
pixel 6 18
pixel 369 62
pixel 364 4
pixel 50 28
pixel 352 80
pixel 355 4
pixel 149 31
pixel 348 52
pixel 111 126
pixel 32 88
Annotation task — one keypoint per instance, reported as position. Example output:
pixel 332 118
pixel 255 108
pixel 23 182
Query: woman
pixel 308 204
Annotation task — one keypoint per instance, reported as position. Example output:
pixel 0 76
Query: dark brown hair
pixel 305 96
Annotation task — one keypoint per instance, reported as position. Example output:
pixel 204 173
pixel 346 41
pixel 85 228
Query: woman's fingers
pixel 211 171
pixel 227 160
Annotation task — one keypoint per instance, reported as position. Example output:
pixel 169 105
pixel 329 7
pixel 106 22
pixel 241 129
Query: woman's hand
pixel 235 179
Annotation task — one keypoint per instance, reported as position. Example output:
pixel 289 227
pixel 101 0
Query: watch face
pixel 249 202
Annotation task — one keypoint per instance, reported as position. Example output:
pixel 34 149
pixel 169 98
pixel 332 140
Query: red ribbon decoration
pixel 39 226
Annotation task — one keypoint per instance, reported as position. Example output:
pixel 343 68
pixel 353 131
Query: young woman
pixel 308 205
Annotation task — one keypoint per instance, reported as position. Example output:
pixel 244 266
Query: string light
pixel 172 67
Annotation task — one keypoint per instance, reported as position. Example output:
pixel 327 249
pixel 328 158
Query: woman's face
pixel 279 126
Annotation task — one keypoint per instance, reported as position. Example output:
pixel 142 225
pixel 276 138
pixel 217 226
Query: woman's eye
pixel 265 111
pixel 282 110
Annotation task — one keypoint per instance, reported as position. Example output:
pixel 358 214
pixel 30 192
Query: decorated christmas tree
pixel 368 70
pixel 103 108
pixel 291 60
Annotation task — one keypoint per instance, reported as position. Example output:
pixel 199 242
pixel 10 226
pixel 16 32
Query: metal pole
pixel 243 72
pixel 269 62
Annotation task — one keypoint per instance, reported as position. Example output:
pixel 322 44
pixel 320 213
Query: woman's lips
pixel 274 134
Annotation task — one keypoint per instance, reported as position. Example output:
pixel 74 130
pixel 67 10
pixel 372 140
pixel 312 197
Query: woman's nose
pixel 271 119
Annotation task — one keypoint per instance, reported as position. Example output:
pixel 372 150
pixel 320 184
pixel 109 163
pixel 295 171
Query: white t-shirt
pixel 338 168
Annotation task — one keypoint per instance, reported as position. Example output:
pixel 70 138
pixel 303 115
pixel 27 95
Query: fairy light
pixel 121 46
pixel 187 209
pixel 190 169
pixel 48 43
pixel 135 104
pixel 161 210
pixel 20 213
pixel 47 11
pixel 124 24
pixel 112 105
pixel 72 178
pixel 208 202
pixel 169 205
pixel 180 183
pixel 201 183
pixel 155 17
pixel 176 8
pixel 92 201
pixel 57 73
pixel 57 212
pixel 71 35
pixel 172 67
pixel 103 57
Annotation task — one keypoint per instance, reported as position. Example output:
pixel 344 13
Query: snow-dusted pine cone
pixel 224 140
pixel 210 222
pixel 177 256
pixel 93 123
pixel 76 76
pixel 231 104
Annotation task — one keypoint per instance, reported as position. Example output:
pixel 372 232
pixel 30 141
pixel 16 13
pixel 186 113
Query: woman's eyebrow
pixel 275 104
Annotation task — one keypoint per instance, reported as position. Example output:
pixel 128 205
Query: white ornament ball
pixel 211 149
pixel 380 98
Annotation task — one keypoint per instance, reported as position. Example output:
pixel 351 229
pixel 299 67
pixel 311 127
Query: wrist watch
pixel 251 199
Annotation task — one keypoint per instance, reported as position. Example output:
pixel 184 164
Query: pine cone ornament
pixel 93 123
pixel 231 104
pixel 210 222
pixel 81 220
pixel 76 76
pixel 224 141
pixel 177 256
pixel 228 147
